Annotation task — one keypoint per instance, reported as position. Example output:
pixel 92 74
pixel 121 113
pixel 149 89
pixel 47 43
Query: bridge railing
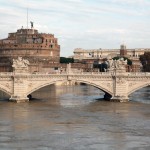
pixel 139 73
pixel 6 73
pixel 79 73
pixel 73 73
pixel 94 73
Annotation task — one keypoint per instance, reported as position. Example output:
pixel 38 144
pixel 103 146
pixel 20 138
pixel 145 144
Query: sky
pixel 87 24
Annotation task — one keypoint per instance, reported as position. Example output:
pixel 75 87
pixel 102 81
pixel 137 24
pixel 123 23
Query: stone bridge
pixel 117 85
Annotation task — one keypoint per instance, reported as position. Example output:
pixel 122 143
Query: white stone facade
pixel 81 54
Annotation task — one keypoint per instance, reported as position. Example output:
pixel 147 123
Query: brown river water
pixel 75 118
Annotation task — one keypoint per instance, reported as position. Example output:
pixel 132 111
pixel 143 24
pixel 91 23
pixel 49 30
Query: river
pixel 75 118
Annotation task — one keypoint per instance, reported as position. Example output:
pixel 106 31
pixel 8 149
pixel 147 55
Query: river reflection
pixel 72 118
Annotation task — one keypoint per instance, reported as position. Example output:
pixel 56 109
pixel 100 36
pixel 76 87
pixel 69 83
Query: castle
pixel 39 48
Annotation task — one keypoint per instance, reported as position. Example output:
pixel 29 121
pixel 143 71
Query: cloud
pixel 132 2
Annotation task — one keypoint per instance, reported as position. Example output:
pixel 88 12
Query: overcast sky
pixel 87 24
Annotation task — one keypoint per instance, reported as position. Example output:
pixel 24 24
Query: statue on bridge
pixel 117 65
pixel 20 65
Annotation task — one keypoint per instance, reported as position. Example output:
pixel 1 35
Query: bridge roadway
pixel 117 85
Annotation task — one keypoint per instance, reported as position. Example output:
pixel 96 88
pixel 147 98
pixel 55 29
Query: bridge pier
pixel 20 87
pixel 119 99
pixel 107 96
pixel 19 99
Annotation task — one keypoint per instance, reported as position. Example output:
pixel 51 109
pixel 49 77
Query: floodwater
pixel 72 118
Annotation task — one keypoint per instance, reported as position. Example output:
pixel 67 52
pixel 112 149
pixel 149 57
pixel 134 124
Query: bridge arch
pixel 41 85
pixel 95 85
pixel 6 91
pixel 138 87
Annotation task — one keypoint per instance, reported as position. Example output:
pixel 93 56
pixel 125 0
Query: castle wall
pixel 39 48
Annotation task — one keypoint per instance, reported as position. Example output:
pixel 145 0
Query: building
pixel 98 55
pixel 39 48
pixel 92 55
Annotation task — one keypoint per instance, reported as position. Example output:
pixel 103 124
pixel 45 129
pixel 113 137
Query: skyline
pixel 87 24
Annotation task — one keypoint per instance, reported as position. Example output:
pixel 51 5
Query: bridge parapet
pixel 74 73
pixel 6 73
pixel 139 73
